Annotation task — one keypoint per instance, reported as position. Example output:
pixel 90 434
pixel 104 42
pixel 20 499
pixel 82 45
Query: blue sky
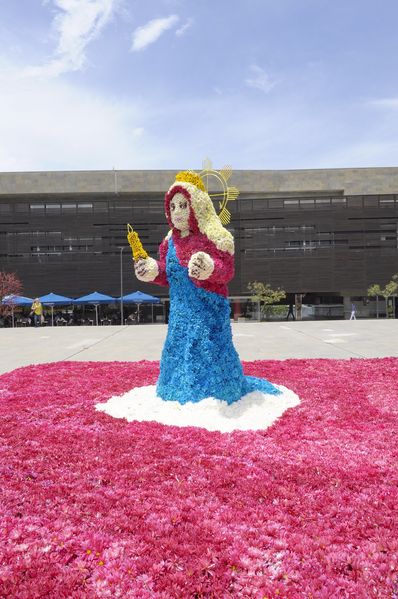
pixel 258 84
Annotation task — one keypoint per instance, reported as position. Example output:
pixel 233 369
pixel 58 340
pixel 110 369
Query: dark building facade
pixel 322 233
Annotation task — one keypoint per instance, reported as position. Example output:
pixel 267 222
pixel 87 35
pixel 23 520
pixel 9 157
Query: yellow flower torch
pixel 135 243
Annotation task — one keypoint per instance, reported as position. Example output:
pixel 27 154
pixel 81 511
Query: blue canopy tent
pixel 137 297
pixel 95 299
pixel 52 299
pixel 16 300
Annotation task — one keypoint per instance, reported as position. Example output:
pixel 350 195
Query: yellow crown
pixel 191 177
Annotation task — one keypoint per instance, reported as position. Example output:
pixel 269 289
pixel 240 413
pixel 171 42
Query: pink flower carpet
pixel 93 506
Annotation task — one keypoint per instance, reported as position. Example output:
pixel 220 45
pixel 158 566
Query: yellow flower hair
pixel 191 177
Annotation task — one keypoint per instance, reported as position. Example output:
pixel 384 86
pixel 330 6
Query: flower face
pixel 179 212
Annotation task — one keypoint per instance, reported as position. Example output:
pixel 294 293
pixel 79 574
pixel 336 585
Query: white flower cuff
pixel 146 270
pixel 200 266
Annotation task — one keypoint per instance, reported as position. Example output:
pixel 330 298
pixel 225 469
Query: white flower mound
pixel 254 411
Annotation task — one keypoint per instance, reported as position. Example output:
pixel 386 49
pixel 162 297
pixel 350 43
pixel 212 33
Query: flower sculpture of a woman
pixel 196 260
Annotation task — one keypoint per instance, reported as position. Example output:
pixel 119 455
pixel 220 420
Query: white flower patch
pixel 254 411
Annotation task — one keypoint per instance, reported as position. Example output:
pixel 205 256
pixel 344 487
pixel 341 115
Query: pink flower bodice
pixel 197 242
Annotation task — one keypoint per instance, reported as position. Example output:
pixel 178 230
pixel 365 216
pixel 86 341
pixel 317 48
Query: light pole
pixel 121 284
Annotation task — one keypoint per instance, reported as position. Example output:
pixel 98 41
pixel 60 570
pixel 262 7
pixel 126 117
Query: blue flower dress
pixel 199 359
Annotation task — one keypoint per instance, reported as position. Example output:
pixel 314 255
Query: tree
pixel 9 285
pixel 265 295
pixel 389 290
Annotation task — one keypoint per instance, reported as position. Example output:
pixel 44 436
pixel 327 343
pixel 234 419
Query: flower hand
pixel 200 266
pixel 146 269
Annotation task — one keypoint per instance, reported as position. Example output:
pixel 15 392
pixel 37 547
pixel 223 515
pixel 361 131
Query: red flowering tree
pixel 9 285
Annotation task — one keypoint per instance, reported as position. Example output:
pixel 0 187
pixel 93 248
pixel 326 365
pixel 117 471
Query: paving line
pixel 347 351
pixel 83 349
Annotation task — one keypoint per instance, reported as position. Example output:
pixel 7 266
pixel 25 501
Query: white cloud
pixel 373 152
pixel 385 103
pixel 51 124
pixel 138 131
pixel 75 25
pixel 260 79
pixel 181 30
pixel 149 33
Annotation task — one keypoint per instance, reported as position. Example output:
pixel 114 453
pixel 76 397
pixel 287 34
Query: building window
pixel 21 207
pixel 387 200
pixel 261 204
pixel 100 207
pixel 370 201
pixel 68 208
pixel 271 203
pixel 85 207
pixel 355 202
pixel 127 206
pixel 306 203
pixel 53 209
pixel 37 209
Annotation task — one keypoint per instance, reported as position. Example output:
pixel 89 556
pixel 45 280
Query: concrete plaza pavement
pixel 337 339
